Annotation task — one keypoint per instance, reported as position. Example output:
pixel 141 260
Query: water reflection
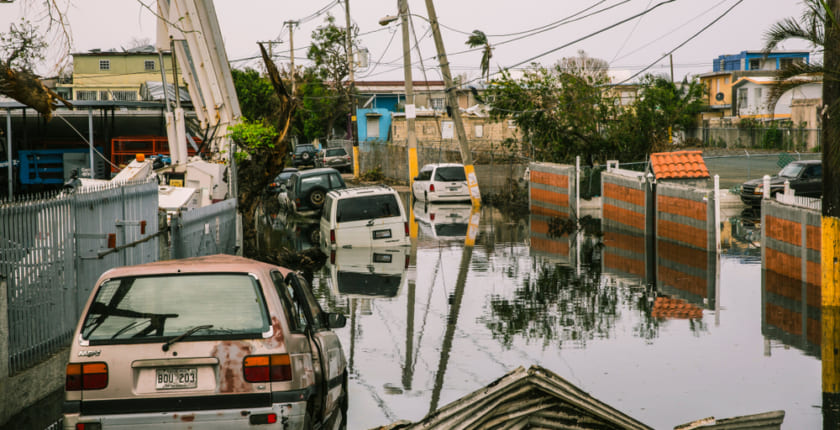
pixel 367 272
pixel 790 312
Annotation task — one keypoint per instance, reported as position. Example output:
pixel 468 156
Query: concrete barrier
pixel 552 190
pixel 685 243
pixel 26 387
pixel 791 243
pixel 625 220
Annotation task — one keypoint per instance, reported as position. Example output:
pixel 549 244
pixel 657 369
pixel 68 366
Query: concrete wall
pixel 552 189
pixel 25 388
pixel 492 169
pixel 685 242
pixel 628 250
pixel 791 244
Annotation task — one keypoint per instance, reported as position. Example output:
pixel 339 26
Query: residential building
pixel 114 75
pixel 758 61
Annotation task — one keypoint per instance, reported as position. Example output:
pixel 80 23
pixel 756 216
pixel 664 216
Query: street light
pixel 385 20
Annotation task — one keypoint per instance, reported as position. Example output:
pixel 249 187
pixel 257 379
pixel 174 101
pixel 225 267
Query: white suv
pixel 444 182
pixel 363 217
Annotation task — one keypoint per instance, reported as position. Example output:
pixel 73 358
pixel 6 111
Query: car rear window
pixel 367 207
pixel 336 151
pixel 450 174
pixel 146 309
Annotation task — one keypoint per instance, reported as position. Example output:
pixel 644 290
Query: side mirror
pixel 282 188
pixel 336 320
pixel 417 178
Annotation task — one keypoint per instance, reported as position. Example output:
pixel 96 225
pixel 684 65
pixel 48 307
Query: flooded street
pixel 431 323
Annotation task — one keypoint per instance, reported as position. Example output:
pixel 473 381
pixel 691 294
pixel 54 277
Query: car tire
pixel 316 197
pixel 305 156
pixel 345 404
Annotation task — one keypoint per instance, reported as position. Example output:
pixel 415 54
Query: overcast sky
pixel 628 47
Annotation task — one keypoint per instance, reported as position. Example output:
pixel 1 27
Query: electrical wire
pixel 706 27
pixel 376 64
pixel 627 39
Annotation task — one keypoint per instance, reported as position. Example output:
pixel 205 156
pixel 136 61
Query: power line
pixel 706 27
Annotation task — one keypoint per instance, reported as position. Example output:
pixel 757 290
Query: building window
pixel 437 103
pixel 757 94
pixel 86 95
pixel 103 95
pixel 104 64
pixel 788 62
pixel 149 65
pixel 742 98
pixel 726 79
pixel 125 96
pixel 755 64
pixel 479 130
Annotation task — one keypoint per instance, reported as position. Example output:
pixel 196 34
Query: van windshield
pixel 450 174
pixel 146 309
pixel 367 207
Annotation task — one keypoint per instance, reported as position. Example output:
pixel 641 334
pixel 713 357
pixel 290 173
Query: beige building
pixel 433 129
pixel 111 75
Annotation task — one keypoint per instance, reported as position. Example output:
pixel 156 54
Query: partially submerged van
pixel 363 217
pixel 219 342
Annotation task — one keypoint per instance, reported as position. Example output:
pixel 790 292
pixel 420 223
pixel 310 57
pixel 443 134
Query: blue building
pixel 758 61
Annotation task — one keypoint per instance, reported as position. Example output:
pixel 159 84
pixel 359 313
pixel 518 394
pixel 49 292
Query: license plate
pixel 173 378
pixel 382 234
pixel 454 188
pixel 382 258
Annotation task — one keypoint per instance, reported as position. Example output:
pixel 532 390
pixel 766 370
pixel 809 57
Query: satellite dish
pixel 719 96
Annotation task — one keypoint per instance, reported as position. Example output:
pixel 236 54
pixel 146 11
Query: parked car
pixel 306 190
pixel 441 183
pixel 304 155
pixel 804 176
pixel 364 217
pixel 337 158
pixel 279 182
pixel 218 341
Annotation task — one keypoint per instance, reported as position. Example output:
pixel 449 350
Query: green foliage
pixel 479 39
pixel 322 108
pixel 257 99
pixel 560 113
pixel 252 137
pixel 22 46
pixel 373 175
pixel 328 52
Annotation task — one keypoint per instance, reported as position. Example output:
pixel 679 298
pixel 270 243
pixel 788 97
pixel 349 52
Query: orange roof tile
pixel 679 165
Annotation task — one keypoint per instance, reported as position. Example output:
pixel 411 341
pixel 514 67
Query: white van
pixel 363 217
pixel 445 182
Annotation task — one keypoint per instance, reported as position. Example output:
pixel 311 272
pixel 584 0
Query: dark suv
pixel 804 176
pixel 306 190
pixel 304 155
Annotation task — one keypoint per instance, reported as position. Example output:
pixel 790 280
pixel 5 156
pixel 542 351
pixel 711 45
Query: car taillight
pixel 406 227
pixel 432 216
pixel 332 257
pixel 263 419
pixel 88 426
pixel 267 368
pixel 431 188
pixel 297 203
pixel 332 236
pixel 87 376
pixel 407 259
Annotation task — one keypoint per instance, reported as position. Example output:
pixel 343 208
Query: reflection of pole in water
pixel 451 323
pixel 830 364
pixel 408 372
pixel 352 333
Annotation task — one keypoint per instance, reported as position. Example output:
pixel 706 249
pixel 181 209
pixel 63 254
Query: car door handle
pixel 370 223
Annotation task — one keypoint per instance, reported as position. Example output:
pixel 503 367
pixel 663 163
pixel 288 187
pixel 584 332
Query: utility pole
pixel 410 112
pixel 291 25
pixel 454 109
pixel 351 85
pixel 830 345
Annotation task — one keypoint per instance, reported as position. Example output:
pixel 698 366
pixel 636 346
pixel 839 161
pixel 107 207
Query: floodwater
pixel 452 318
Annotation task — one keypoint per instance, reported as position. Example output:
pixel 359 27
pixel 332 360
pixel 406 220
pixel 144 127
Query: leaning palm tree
pixel 476 39
pixel 811 28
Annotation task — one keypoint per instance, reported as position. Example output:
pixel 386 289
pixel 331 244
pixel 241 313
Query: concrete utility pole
pixel 455 111
pixel 830 265
pixel 410 112
pixel 351 84
pixel 292 25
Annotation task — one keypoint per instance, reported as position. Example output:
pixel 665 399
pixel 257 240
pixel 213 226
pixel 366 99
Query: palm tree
pixel 810 27
pixel 476 39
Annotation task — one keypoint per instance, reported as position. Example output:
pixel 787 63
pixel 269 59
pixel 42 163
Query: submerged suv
pixel 306 190
pixel 364 217
pixel 445 182
pixel 210 342
pixel 804 177
pixel 304 155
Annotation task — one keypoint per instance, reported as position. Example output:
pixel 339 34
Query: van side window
pixel 336 180
pixel 325 214
pixel 367 207
pixel 424 175
pixel 291 307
